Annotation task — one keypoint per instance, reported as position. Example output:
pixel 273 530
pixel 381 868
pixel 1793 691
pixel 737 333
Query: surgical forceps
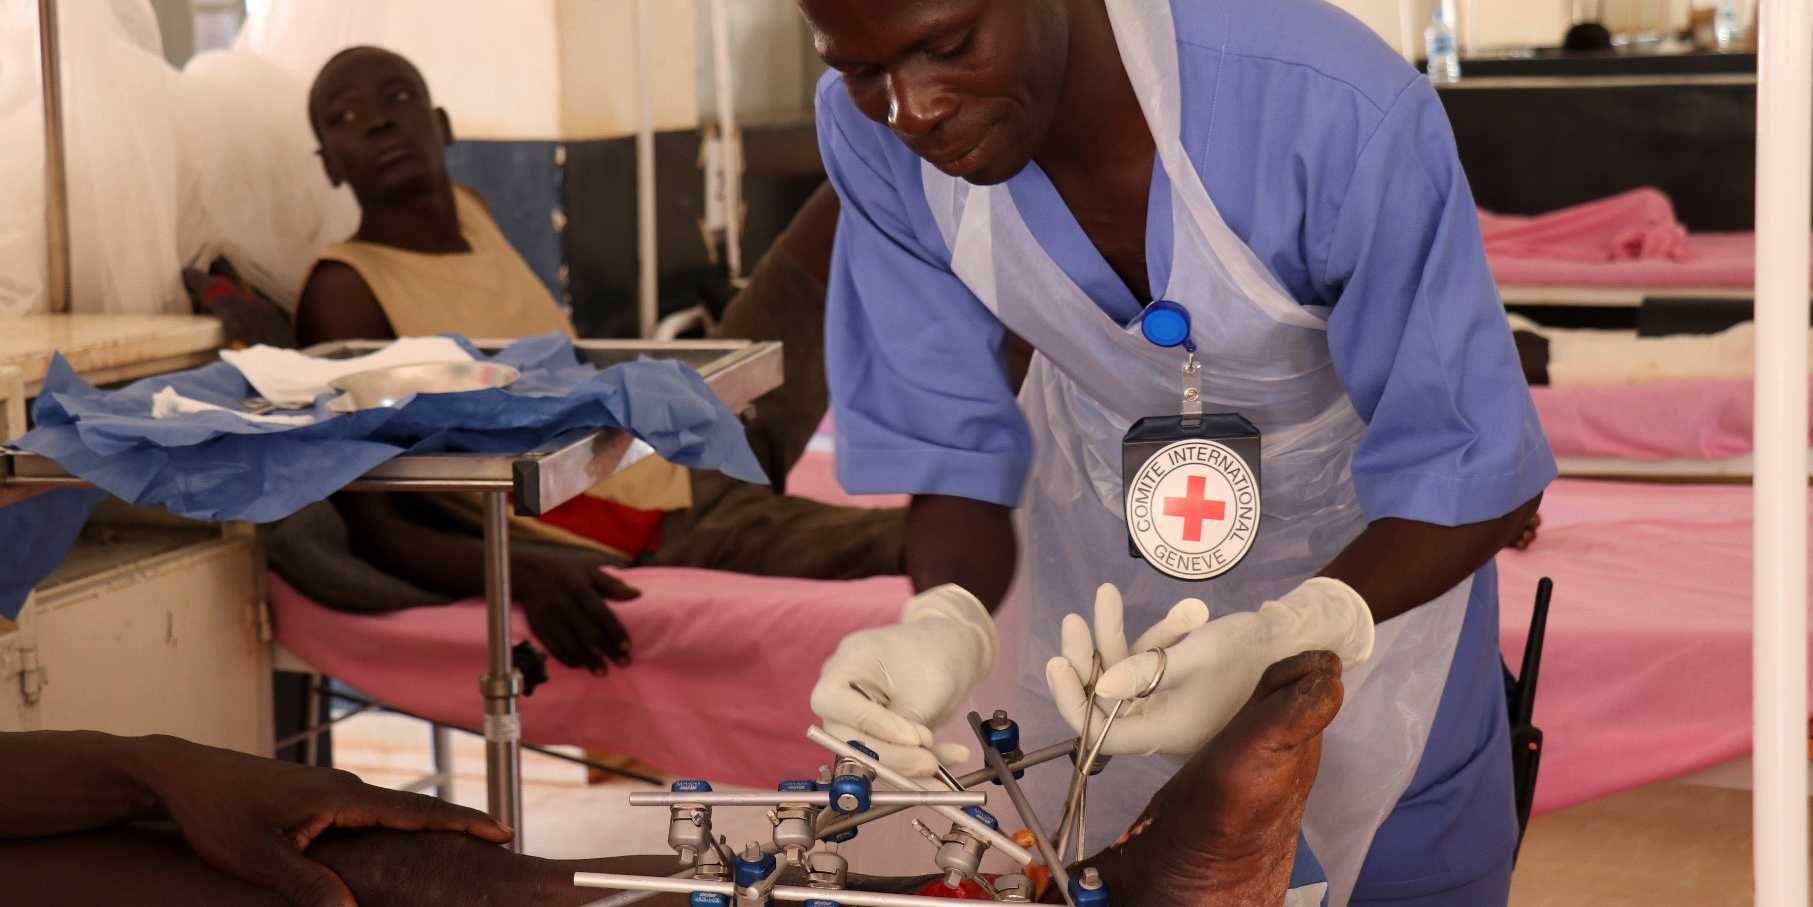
pixel 1076 802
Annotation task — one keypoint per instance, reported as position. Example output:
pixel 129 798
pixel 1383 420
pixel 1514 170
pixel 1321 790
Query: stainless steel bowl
pixel 391 386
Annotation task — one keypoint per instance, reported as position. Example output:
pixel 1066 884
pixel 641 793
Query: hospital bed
pixel 1647 669
pixel 710 692
pixel 1674 432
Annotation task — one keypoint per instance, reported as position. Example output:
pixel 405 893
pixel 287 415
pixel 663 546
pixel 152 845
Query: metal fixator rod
pixel 995 838
pixel 793 893
pixel 1036 758
pixel 1053 860
pixel 806 798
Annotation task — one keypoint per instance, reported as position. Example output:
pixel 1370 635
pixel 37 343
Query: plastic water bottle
pixel 1439 46
pixel 1727 25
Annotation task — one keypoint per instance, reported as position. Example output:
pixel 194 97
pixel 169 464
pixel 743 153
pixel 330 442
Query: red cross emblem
pixel 1195 508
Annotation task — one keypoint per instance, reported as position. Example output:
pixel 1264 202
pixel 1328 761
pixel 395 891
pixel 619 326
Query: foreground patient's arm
pixel 244 817
pixel 53 782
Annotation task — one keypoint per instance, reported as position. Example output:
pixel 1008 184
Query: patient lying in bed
pixel 1222 833
pixel 428 258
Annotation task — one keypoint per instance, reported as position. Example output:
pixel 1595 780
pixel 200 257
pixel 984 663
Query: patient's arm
pixel 54 782
pixel 236 817
pixel 563 593
pixel 337 304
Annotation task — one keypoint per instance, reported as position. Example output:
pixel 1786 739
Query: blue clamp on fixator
pixel 1166 324
pixel 983 816
pixel 751 872
pixel 691 786
pixel 707 899
pixel 820 902
pixel 1003 736
pixel 1088 890
pixel 850 793
pixel 797 787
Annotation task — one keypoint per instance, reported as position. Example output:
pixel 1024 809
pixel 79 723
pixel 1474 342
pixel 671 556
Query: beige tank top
pixel 488 292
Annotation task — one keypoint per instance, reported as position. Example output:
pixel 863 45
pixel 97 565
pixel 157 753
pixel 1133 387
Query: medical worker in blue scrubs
pixel 1052 169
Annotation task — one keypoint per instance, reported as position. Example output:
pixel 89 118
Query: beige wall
pixel 598 66
pixel 773 65
pixel 526 69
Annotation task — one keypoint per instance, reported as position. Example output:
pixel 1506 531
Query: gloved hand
pixel 1212 672
pixel 887 687
pixel 1110 637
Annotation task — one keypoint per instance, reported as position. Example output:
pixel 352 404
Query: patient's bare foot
pixel 1224 831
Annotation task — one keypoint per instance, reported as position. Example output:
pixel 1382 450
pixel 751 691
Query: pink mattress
pixel 1695 420
pixel 1632 239
pixel 1646 671
pixel 724 665
pixel 1719 261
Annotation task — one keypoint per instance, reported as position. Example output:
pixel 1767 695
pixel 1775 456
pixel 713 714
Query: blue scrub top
pixel 1334 161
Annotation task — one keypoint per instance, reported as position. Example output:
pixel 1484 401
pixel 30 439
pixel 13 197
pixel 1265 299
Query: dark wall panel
pixel 1536 149
pixel 521 183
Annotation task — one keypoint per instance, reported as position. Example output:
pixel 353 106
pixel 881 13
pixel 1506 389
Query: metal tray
pixel 539 480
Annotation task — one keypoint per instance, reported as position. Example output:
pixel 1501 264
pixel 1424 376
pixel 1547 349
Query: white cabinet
pixel 146 629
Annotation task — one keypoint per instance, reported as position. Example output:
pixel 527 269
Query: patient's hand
pixel 1223 832
pixel 253 818
pixel 564 596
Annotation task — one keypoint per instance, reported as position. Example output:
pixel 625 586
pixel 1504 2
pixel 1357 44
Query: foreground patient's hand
pixel 253 818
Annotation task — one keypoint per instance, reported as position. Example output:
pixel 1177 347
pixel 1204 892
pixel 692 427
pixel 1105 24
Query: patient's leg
pixel 153 867
pixel 747 528
pixel 1224 831
pixel 1221 834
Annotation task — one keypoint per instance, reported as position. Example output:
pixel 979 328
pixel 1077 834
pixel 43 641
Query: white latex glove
pixel 1110 637
pixel 1213 671
pixel 917 672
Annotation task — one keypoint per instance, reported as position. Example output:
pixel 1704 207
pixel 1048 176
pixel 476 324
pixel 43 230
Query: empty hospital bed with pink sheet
pixel 1646 668
pixel 1618 251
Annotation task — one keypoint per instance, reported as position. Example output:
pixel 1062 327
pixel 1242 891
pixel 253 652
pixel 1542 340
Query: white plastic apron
pixel 1264 356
